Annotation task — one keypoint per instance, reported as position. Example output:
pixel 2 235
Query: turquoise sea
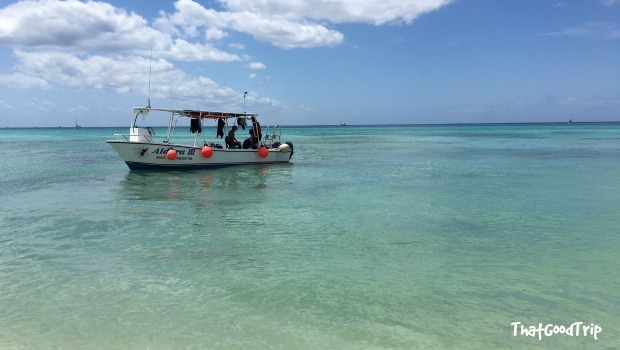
pixel 374 237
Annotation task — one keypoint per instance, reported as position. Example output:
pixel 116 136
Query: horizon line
pixel 335 125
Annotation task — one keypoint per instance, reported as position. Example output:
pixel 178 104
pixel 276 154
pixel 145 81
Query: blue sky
pixel 311 62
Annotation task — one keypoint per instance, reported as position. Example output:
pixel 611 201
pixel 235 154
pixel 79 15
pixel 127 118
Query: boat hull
pixel 152 156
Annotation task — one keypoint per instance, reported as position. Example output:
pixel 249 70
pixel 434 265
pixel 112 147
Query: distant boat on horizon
pixel 569 122
pixel 342 124
pixel 77 125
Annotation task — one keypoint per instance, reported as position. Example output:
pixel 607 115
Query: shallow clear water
pixel 409 237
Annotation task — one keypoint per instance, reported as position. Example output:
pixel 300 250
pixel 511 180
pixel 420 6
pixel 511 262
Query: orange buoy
pixel 206 152
pixel 263 152
pixel 171 154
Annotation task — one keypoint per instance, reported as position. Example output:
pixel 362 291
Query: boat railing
pixel 275 135
pixel 120 137
pixel 137 134
pixel 127 138
pixel 134 138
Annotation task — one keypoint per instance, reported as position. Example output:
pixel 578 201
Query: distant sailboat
pixel 77 125
pixel 570 121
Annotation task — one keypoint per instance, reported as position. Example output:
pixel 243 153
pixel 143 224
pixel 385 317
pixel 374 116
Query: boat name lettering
pixel 162 150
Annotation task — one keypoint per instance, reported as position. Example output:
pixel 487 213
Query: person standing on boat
pixel 231 140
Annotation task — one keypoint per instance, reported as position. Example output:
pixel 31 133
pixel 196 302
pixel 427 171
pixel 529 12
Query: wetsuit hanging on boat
pixel 256 128
pixel 220 127
pixel 241 122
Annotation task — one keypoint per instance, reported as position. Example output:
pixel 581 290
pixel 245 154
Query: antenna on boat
pixel 150 70
pixel 245 93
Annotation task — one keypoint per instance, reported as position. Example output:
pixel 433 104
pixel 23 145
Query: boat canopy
pixel 193 113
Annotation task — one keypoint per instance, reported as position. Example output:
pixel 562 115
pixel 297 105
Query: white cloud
pixel 121 74
pixel 609 2
pixel 182 50
pixel 215 34
pixel 86 26
pixel 256 65
pixel 281 32
pixel 592 29
pixel 21 80
pixel 340 11
pixel 80 27
pixel 93 72
pixel 74 24
pixel 293 24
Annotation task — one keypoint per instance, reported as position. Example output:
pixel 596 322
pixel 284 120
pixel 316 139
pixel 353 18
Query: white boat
pixel 141 151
